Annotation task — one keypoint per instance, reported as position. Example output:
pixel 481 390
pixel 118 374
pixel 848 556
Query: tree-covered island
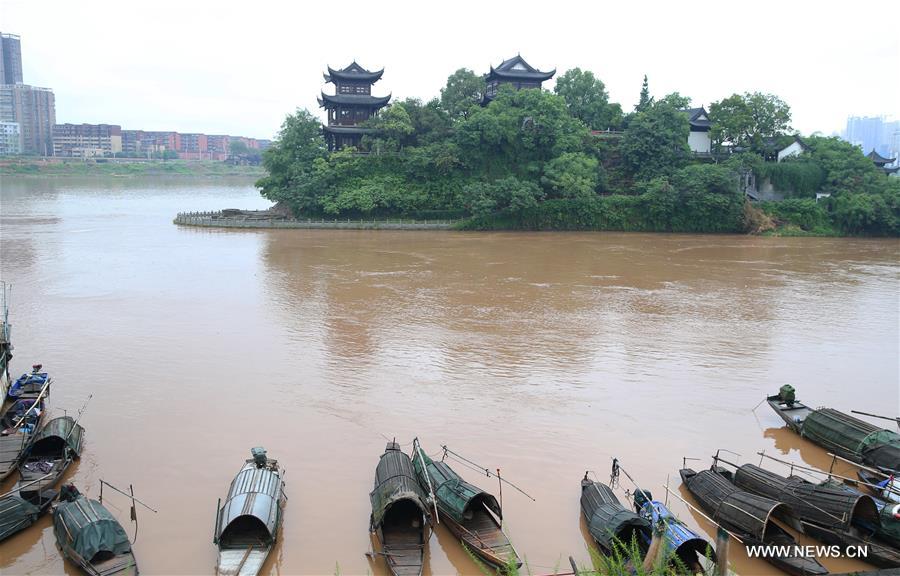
pixel 572 160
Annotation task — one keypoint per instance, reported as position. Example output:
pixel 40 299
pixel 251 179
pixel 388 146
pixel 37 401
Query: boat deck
pixel 483 534
pixel 11 447
pixel 123 564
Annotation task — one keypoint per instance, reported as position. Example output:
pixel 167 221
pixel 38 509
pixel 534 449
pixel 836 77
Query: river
pixel 544 355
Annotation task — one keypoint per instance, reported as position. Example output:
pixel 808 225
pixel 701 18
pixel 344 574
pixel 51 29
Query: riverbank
pixel 123 168
pixel 271 219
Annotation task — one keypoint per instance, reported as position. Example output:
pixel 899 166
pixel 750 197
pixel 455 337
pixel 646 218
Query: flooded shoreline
pixel 544 355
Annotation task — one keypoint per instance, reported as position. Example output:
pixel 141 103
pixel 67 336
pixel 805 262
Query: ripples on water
pixel 543 354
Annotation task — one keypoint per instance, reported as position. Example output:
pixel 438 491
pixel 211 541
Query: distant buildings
pixel 874 133
pixel 87 140
pixel 10 59
pixel 28 125
pixel 32 108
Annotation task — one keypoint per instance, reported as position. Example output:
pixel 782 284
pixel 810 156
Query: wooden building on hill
pixel 351 105
pixel 517 72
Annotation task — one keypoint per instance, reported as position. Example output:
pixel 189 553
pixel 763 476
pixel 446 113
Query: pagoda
pixel 351 105
pixel 882 162
pixel 517 72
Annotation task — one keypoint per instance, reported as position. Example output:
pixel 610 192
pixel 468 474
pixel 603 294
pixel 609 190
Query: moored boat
pixel 19 421
pixel 18 513
pixel 828 514
pixel 6 346
pixel 883 486
pixel 680 541
pixel 844 435
pixel 91 537
pixel 473 515
pixel 56 445
pixel 614 528
pixel 750 517
pixel 28 385
pixel 400 517
pixel 247 525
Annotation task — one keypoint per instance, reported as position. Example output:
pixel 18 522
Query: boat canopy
pixel 16 514
pixel 455 496
pixel 88 528
pixel 853 438
pixel 28 384
pixel 679 539
pixel 824 505
pixel 252 503
pixel 733 508
pixel 395 480
pixel 57 434
pixel 608 521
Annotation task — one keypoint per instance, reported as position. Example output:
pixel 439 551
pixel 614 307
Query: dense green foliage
pixel 528 160
pixel 587 99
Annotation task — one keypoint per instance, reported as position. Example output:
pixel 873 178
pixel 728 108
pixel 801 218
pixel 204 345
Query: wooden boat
pixel 5 341
pixel 613 527
pixel 55 446
pixel 91 537
pixel 844 435
pixel 680 541
pixel 247 525
pixel 888 528
pixel 400 515
pixel 750 517
pixel 828 514
pixel 472 515
pixel 28 385
pixel 19 420
pixel 888 489
pixel 18 513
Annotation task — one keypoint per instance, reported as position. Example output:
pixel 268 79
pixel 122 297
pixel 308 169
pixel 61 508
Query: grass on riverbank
pixel 124 168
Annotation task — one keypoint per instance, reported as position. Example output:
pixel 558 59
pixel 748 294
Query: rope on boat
pixel 418 448
pixel 478 468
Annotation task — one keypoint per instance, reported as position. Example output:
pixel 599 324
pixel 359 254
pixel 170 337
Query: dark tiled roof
pixel 518 69
pixel 355 99
pixel 698 124
pixel 353 72
pixel 878 158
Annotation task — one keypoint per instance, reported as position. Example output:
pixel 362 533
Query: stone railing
pixel 264 219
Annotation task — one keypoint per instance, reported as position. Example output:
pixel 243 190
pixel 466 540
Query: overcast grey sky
pixel 240 67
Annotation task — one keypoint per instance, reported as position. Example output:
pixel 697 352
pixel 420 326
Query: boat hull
pixel 246 561
pixel 489 543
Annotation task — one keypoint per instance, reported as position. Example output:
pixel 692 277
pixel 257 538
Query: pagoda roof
pixel 878 158
pixel 353 99
pixel 517 68
pixel 353 72
pixel 698 118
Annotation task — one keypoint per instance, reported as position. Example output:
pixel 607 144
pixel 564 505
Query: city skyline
pixel 243 72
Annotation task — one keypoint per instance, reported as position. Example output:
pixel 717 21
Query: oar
pixel 893 418
pixel 418 448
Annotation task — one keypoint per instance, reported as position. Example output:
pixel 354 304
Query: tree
pixel 656 141
pixel 571 175
pixel 747 120
pixel 291 162
pixel 392 127
pixel 588 100
pixel 506 194
pixel 645 99
pixel 237 147
pixel 518 132
pixel 676 100
pixel 463 91
pixel 430 122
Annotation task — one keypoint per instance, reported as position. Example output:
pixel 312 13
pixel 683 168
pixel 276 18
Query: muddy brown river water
pixel 542 354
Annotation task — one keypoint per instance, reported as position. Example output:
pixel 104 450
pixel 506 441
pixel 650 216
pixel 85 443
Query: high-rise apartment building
pixel 10 59
pixel 874 133
pixel 34 109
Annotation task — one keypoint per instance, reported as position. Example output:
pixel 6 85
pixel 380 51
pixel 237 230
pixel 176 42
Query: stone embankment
pixel 273 219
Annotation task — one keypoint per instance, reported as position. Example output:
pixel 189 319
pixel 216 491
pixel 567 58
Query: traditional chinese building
pixel 698 138
pixel 351 105
pixel 517 72
pixel 882 162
